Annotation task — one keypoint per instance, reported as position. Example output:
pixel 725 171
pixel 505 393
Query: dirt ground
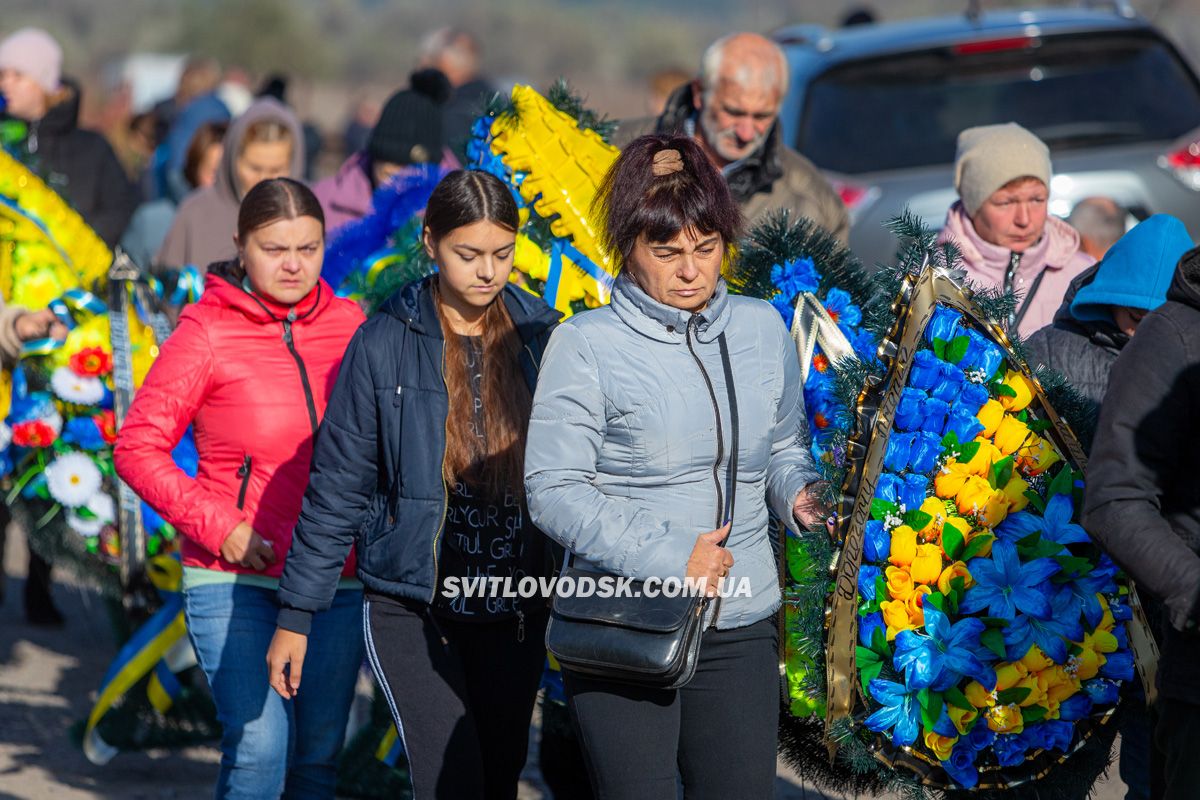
pixel 48 679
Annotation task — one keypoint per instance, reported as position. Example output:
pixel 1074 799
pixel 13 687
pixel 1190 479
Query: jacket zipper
pixel 716 470
pixel 1010 276
pixel 291 346
pixel 445 489
pixel 243 473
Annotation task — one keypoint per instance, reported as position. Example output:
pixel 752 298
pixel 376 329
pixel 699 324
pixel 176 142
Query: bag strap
pixel 731 475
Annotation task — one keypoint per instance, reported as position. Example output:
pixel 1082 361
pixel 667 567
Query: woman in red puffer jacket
pixel 251 367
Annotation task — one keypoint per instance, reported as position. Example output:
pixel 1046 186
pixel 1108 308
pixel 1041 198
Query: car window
pixel 1072 91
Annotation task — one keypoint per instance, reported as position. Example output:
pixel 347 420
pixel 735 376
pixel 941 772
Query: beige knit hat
pixel 990 156
pixel 33 52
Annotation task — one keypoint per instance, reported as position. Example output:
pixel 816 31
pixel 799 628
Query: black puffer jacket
pixel 376 478
pixel 1143 495
pixel 81 166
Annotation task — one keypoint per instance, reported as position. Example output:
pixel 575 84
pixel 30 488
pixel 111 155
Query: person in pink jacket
pixel 1002 227
pixel 251 367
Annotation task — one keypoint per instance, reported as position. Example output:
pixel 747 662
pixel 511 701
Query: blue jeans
pixel 271 747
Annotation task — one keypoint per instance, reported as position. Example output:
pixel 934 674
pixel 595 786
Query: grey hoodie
pixel 622 440
pixel 203 230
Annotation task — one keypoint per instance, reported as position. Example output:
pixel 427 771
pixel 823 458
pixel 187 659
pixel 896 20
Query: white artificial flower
pixel 73 479
pixel 5 436
pixel 76 388
pixel 103 508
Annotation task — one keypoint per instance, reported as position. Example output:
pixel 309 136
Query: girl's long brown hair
pixel 494 463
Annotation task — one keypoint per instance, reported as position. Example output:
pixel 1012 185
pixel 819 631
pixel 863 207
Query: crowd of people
pixel 347 467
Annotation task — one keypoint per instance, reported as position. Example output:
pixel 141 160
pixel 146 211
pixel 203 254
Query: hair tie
pixel 666 162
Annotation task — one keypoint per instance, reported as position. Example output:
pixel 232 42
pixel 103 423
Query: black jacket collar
pixel 413 305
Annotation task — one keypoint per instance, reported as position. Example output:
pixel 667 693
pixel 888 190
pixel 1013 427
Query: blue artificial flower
pixel 944 725
pixel 980 737
pixel 1049 735
pixel 866 581
pixel 950 382
pixel 867 626
pixel 1121 636
pixel 909 411
pixel 899 450
pixel 185 455
pixel 1118 666
pixel 926 449
pixel 1004 586
pixel 926 370
pixel 943 325
pixel 1102 692
pixel 935 412
pixel 83 432
pixel 966 426
pixel 1010 749
pixel 944 654
pixel 971 398
pixel 914 491
pixel 1051 632
pixel 796 276
pixel 982 355
pixel 1122 612
pixel 900 712
pixel 786 306
pixel 877 542
pixel 1055 525
pixel 887 488
pixel 840 306
pixel 866 346
pixel 1077 706
pixel 961 764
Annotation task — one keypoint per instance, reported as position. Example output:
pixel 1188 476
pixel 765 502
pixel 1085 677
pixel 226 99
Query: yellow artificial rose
pixel 961 718
pixel 1060 684
pixel 1006 719
pixel 1037 455
pixel 1011 435
pixel 936 510
pixel 956 570
pixel 979 696
pixel 974 495
pixel 1014 492
pixel 1037 690
pixel 927 566
pixel 959 524
pixel 899 583
pixel 915 605
pixel 981 463
pixel 950 480
pixel 1008 675
pixel 904 546
pixel 1035 660
pixel 989 505
pixel 985 550
pixel 940 745
pixel 895 616
pixel 1024 389
pixel 1093 647
pixel 990 415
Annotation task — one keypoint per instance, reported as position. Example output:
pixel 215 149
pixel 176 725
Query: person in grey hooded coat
pixel 626 464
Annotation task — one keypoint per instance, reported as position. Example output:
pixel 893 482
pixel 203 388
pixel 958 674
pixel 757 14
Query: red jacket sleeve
pixel 172 393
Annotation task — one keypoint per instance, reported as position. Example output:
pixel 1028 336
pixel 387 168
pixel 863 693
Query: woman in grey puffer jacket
pixel 626 466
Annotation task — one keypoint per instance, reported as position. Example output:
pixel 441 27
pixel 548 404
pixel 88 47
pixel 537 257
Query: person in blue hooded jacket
pixel 1106 302
pixel 1101 312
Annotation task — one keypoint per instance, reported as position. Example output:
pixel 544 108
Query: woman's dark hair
pixel 495 461
pixel 633 200
pixel 207 135
pixel 275 199
pixel 465 197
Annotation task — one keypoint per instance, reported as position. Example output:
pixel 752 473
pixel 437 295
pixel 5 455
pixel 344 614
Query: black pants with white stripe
pixel 461 695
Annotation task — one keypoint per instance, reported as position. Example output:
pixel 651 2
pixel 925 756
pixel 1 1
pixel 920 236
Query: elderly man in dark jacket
pixel 732 110
pixel 1143 503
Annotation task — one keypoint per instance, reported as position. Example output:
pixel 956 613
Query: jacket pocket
pixel 244 474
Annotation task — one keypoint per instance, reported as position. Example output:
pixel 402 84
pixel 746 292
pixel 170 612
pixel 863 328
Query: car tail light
pixel 855 197
pixel 1184 163
pixel 995 45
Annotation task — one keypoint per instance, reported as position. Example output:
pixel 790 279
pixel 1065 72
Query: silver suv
pixel 879 108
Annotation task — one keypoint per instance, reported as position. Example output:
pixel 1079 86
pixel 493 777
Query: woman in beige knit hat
pixel 1001 225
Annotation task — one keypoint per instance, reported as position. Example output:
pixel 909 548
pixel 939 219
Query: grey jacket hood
pixel 623 466
pixel 203 230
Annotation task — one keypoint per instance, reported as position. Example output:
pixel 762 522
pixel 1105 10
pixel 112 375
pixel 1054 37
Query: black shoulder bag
pixel 648 641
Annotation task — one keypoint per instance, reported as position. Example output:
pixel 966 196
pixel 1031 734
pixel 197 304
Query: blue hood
pixel 1136 271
